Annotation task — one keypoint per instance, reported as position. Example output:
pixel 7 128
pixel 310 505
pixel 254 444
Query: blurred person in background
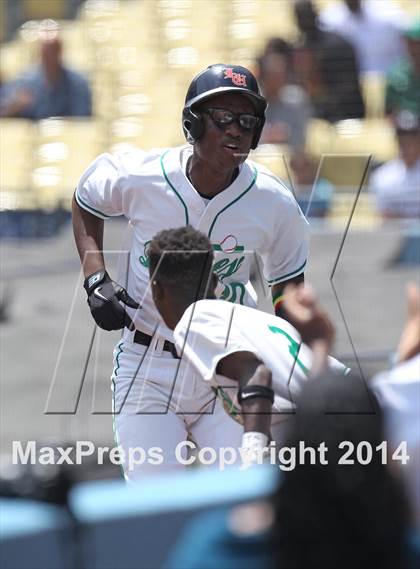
pixel 373 28
pixel 325 66
pixel 403 80
pixel 288 109
pixel 398 392
pixel 396 184
pixel 50 89
pixel 314 202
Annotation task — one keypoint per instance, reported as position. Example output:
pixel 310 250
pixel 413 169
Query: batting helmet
pixel 216 79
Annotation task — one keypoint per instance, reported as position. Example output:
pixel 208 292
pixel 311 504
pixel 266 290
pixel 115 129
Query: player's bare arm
pixel 88 233
pixel 104 295
pixel 250 372
pixel 409 344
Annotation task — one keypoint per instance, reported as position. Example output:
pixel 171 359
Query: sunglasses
pixel 223 117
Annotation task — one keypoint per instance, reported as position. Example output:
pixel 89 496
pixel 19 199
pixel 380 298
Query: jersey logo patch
pixel 228 245
pixel 238 79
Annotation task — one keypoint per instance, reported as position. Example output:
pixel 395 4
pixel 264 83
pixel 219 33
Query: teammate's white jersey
pixel 255 213
pixel 209 330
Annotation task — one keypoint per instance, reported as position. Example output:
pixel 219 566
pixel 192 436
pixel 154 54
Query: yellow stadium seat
pixel 374 137
pixel 320 136
pixel 17 138
pixel 275 157
pixel 345 171
pixel 373 90
pixel 64 149
pixel 14 60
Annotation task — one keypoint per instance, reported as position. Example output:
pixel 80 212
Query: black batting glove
pixel 104 297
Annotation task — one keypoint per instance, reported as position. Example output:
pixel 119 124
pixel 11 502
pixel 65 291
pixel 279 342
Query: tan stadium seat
pixel 320 136
pixel 373 90
pixel 375 136
pixel 275 157
pixel 64 149
pixel 17 138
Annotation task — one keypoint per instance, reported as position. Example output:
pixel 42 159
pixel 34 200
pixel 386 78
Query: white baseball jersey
pixel 255 213
pixel 210 330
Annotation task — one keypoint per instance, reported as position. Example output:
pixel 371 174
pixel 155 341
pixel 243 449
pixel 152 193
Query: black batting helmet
pixel 221 78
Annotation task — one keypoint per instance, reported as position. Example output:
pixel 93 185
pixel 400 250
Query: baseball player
pixel 236 349
pixel 210 185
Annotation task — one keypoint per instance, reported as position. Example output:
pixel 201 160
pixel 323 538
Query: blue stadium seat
pixel 34 535
pixel 135 526
pixel 409 252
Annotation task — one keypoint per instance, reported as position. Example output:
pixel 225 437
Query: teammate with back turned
pixel 243 208
pixel 254 361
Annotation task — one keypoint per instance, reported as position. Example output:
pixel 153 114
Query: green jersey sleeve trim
pixel 173 187
pixel 88 207
pixel 288 276
pixel 234 201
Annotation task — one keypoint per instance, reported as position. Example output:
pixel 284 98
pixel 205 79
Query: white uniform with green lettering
pixel 212 329
pixel 256 213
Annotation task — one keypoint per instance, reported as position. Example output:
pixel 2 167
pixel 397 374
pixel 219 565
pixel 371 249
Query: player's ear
pixel 157 290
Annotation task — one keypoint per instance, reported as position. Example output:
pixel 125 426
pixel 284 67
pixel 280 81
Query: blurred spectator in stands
pixel 398 392
pixel 50 89
pixel 314 201
pixel 288 108
pixel 403 81
pixel 325 66
pixel 373 28
pixel 396 184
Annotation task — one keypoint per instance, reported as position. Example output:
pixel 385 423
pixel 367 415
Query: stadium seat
pixel 65 148
pixel 16 154
pixel 409 248
pixel 374 137
pixel 146 520
pixel 345 171
pixel 34 535
pixel 373 90
pixel 275 157
pixel 320 137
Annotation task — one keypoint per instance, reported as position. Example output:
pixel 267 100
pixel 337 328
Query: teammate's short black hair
pixel 182 258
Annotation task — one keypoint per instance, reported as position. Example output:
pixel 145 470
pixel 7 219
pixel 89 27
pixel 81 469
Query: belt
pixel 145 340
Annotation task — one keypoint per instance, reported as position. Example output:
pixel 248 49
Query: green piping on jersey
pixel 294 347
pixel 173 187
pixel 114 374
pixel 234 201
pixel 83 204
pixel 293 273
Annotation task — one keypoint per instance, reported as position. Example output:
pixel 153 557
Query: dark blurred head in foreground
pixel 340 515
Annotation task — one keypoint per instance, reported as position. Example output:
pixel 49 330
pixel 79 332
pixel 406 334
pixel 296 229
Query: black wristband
pixel 252 391
pixel 94 279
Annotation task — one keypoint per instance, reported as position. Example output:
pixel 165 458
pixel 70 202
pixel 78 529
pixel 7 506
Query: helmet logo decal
pixel 238 79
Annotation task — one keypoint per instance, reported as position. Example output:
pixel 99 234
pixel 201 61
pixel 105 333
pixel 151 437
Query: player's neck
pixel 178 307
pixel 206 180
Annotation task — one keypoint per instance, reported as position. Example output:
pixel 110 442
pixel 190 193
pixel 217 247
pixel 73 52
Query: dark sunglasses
pixel 223 117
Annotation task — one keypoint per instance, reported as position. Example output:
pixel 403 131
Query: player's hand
pixel 307 316
pixel 104 298
pixel 409 344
